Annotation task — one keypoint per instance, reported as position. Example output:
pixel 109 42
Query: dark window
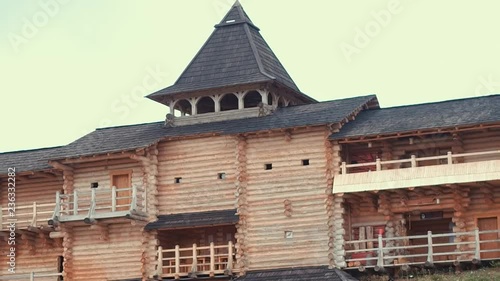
pixel 178 180
pixel 268 166
pixel 305 162
pixel 221 176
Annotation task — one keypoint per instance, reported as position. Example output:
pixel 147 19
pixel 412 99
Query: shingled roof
pixel 29 160
pixel 401 119
pixel 318 273
pixel 235 54
pixel 209 218
pixel 117 139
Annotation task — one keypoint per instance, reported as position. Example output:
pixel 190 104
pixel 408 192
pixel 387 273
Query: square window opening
pixel 305 162
pixel 268 166
pixel 221 176
pixel 178 180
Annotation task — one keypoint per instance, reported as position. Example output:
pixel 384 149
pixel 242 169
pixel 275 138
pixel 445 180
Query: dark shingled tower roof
pixel 234 55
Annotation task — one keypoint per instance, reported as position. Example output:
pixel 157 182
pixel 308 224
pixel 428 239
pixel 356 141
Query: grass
pixel 489 273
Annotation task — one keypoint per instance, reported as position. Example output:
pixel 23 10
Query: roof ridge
pixel 130 125
pixel 33 149
pixel 256 53
pixel 438 102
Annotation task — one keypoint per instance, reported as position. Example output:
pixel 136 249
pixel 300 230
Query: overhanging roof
pixel 445 114
pixel 199 219
pixel 122 138
pixel 318 273
pixel 235 54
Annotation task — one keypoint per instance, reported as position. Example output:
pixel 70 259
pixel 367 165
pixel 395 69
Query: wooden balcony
pixel 95 204
pixel 196 262
pixel 428 250
pixel 27 217
pixel 33 276
pixel 404 173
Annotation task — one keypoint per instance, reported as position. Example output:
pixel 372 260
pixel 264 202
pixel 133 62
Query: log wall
pixel 288 197
pixel 198 162
pixel 34 252
pixel 114 255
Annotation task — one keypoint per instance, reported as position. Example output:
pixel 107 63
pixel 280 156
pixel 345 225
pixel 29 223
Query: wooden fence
pixel 33 276
pixel 27 216
pixel 402 253
pixel 99 203
pixel 413 161
pixel 193 261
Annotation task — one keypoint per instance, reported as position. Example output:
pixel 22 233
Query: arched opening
pixel 281 102
pixel 205 105
pixel 182 107
pixel 270 98
pixel 252 99
pixel 229 102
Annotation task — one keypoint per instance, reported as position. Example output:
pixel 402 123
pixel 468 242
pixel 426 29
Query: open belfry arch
pixel 249 179
pixel 234 75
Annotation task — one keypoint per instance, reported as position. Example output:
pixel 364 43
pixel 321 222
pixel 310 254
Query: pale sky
pixel 70 66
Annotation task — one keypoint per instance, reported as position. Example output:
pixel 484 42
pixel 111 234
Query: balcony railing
pixel 390 252
pixel 100 204
pixel 27 216
pixel 32 276
pixel 445 169
pixel 195 261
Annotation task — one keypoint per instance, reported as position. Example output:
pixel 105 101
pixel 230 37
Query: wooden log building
pixel 249 178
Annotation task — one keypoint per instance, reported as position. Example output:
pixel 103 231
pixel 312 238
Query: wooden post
pixel 75 202
pixel 430 250
pixel 212 259
pixel 413 161
pixel 90 217
pixel 380 260
pixel 32 276
pixel 344 168
pixel 477 243
pixel 378 164
pixel 194 268
pixel 133 204
pixel 159 268
pixel 229 266
pixel 57 210
pixel 33 221
pixel 177 262
pixel 449 158
pixel 113 198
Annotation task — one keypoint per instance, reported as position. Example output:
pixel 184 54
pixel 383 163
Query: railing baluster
pixel 380 260
pixel 75 202
pixel 212 259
pixel 430 250
pixel 344 168
pixel 177 262
pixel 113 198
pixel 229 266
pixel 159 269
pixel 194 268
pixel 33 221
pixel 413 161
pixel 32 276
pixel 477 244
pixel 449 157
pixel 133 205
pixel 378 165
